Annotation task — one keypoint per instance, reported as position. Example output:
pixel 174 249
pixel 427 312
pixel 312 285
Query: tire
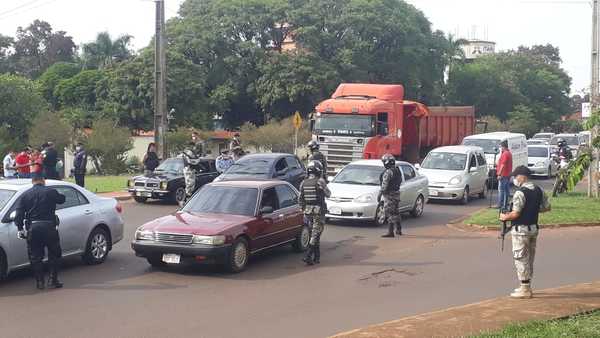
pixel 465 198
pixel 419 206
pixel 379 216
pixel 97 247
pixel 3 266
pixel 179 195
pixel 156 261
pixel 300 244
pixel 238 256
pixel 140 199
pixel 483 193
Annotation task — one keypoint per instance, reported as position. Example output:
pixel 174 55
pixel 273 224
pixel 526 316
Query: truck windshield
pixel 488 146
pixel 445 161
pixel 345 124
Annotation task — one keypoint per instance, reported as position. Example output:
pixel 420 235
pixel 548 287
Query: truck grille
pixel 338 155
pixel 173 238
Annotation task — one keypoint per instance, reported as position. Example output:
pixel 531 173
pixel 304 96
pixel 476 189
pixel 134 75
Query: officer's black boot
pixel 38 272
pixel 53 281
pixel 317 249
pixel 399 229
pixel 390 232
pixel 308 259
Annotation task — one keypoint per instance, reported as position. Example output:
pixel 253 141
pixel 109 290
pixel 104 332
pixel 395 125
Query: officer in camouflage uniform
pixel 528 201
pixel 313 192
pixel 390 179
pixel 316 155
pixel 191 161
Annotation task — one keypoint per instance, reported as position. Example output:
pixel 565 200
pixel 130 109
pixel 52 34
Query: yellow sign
pixel 297 120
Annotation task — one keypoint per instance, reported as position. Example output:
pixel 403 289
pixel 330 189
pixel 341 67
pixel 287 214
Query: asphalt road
pixel 363 279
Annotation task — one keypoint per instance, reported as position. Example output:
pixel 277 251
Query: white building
pixel 475 48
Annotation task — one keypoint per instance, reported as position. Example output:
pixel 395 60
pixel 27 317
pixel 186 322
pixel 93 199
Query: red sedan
pixel 225 223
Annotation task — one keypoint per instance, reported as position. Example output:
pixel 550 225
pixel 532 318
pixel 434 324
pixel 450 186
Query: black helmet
pixel 314 167
pixel 313 145
pixel 389 161
pixel 561 142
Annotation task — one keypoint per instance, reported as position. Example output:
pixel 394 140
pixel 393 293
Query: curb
pixel 484 228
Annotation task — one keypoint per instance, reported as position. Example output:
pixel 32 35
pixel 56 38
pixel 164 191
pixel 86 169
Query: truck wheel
pixel 140 199
pixel 465 197
pixel 238 256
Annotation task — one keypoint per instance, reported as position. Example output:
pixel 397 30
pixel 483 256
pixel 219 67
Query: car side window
pixel 269 199
pixel 409 172
pixel 481 160
pixel 280 165
pixel 287 197
pixel 292 162
pixel 71 198
pixel 472 162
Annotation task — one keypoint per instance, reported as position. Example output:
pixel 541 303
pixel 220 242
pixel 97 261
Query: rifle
pixel 505 229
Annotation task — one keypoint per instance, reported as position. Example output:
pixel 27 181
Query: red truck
pixel 365 121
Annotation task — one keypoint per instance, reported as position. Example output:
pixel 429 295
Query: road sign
pixel 586 110
pixel 297 120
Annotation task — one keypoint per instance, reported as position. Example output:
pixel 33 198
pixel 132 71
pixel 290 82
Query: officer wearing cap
pixel 528 201
pixel 37 222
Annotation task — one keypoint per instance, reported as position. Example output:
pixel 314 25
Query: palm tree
pixel 104 51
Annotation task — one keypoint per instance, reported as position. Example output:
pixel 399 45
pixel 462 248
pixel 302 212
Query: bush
pixel 48 126
pixel 134 164
pixel 275 136
pixel 522 120
pixel 494 124
pixel 107 145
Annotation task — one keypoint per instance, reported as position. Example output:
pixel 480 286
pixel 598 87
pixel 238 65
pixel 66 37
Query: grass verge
pixel 571 208
pixel 581 326
pixel 100 184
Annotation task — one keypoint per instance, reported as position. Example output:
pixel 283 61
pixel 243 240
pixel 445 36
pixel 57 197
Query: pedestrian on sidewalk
pixel 504 170
pixel 80 165
pixel 390 181
pixel 528 201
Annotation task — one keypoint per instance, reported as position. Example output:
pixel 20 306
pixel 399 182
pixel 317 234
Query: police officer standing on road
pixel 528 201
pixel 316 155
pixel 313 192
pixel 37 222
pixel 390 179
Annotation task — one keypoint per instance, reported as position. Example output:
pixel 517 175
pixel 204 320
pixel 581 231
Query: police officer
pixel 37 222
pixel 390 180
pixel 528 201
pixel 563 149
pixel 79 165
pixel 316 155
pixel 191 165
pixel 313 192
pixel 197 144
pixel 50 159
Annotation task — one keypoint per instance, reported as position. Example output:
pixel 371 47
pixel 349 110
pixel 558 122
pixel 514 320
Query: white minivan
pixel 490 143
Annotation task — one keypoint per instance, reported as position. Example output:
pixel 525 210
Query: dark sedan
pixel 271 166
pixel 167 181
pixel 225 223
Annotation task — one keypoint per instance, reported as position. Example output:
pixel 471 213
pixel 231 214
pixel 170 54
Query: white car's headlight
pixel 366 198
pixel 540 164
pixel 208 240
pixel 455 180
pixel 144 235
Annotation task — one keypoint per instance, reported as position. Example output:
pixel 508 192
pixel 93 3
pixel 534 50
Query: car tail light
pixel 119 208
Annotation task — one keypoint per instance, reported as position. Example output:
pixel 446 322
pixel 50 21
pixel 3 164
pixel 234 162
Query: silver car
pixel 89 224
pixel 355 188
pixel 540 160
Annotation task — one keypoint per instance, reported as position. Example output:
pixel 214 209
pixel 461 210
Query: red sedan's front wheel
pixel 238 256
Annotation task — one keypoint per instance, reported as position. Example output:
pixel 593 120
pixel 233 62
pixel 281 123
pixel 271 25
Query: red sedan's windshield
pixel 224 200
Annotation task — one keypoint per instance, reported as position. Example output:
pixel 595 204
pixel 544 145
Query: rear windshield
pixel 5 196
pixel 571 140
pixel 537 152
pixel 445 161
pixel 224 200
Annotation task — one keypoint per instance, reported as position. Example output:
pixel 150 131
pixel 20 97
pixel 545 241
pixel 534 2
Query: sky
pixel 510 23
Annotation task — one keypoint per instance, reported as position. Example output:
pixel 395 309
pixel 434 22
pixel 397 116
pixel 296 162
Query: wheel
pixel 300 244
pixel 417 210
pixel 179 195
pixel 238 256
pixel 465 198
pixel 379 216
pixel 484 191
pixel 3 266
pixel 140 199
pixel 96 249
pixel 155 261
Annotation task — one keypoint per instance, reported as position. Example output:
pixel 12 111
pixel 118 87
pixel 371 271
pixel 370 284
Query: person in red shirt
pixel 504 171
pixel 22 162
pixel 37 162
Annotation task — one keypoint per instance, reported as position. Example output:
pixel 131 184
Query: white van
pixel 490 143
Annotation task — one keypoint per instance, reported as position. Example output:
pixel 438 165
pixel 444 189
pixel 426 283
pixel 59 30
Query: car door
pixel 409 194
pixel 281 171
pixel 292 214
pixel 207 174
pixel 482 168
pixel 76 218
pixel 272 222
pixel 472 175
pixel 17 248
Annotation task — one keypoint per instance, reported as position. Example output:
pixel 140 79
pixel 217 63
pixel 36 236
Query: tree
pixel 275 136
pixel 20 103
pixel 79 90
pixel 105 51
pixel 49 126
pixel 6 43
pixel 107 146
pixel 494 124
pixel 522 120
pixel 36 47
pixel 51 78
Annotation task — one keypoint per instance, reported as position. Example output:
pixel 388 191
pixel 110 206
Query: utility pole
pixel 593 169
pixel 160 83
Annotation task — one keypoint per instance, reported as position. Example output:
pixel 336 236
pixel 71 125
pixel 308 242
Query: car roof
pixel 375 163
pixel 545 145
pixel 494 136
pixel 457 149
pixel 25 183
pixel 265 155
pixel 565 134
pixel 544 133
pixel 260 184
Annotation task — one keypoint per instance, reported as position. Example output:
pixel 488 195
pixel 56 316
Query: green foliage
pixel 102 184
pixel 568 126
pixel 79 90
pixel 522 120
pixel 48 126
pixel 178 140
pixel 20 103
pixel 7 142
pixel 494 124
pixel 275 136
pixel 52 76
pixel 107 145
pixel 105 51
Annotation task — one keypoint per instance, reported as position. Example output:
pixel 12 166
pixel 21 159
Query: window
pixel 223 200
pixel 5 196
pixel 269 199
pixel 72 198
pixel 280 165
pixel 481 159
pixel 472 162
pixel 409 172
pixel 292 162
pixel 287 197
pixel 382 123
pixel 444 161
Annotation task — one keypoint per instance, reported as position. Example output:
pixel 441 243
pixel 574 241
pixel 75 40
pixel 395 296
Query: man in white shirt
pixel 8 165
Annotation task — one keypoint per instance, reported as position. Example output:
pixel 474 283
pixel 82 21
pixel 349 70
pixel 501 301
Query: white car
pixel 456 173
pixel 355 188
pixel 89 224
pixel 540 160
pixel 536 141
pixel 543 136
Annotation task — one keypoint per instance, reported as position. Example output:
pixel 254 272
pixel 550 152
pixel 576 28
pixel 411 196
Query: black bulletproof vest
pixel 530 213
pixel 312 194
pixel 395 182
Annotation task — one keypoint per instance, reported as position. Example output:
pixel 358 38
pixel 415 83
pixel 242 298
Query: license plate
pixel 335 211
pixel 433 192
pixel 171 258
pixel 143 194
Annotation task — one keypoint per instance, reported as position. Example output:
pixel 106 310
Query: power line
pixel 19 7
pixel 25 10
